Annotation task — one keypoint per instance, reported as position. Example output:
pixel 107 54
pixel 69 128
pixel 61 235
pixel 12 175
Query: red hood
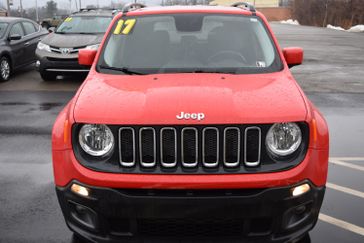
pixel 157 99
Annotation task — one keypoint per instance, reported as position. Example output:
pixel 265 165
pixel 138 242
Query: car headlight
pixel 43 47
pixel 93 47
pixel 283 139
pixel 96 139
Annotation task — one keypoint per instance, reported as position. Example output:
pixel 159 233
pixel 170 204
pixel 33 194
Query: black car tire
pixel 48 76
pixel 5 69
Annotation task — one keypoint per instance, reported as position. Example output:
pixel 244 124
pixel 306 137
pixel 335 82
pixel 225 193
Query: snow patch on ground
pixel 356 28
pixel 290 21
pixel 329 26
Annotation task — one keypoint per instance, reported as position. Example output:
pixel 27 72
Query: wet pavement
pixel 29 211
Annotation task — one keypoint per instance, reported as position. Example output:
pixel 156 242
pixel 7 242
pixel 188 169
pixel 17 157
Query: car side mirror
pixel 86 57
pixel 51 29
pixel 293 56
pixel 15 37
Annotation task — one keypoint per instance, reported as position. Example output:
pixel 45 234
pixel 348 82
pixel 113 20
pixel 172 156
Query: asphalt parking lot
pixel 332 76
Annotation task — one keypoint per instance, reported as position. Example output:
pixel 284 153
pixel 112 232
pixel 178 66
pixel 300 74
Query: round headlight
pixel 283 138
pixel 96 140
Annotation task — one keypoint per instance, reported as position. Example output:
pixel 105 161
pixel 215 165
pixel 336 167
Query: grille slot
pixel 127 146
pixel 189 147
pixel 168 146
pixel 232 146
pixel 252 146
pixel 147 146
pixel 210 146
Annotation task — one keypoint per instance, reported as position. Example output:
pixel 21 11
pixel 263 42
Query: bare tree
pixel 344 13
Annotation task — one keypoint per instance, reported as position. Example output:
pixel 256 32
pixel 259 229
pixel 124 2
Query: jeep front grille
pixel 192 149
pixel 189 147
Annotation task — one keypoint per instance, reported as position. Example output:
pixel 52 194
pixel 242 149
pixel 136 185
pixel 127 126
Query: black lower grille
pixel 62 59
pixel 191 227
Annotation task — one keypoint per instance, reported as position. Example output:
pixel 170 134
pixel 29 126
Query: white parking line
pixel 345 190
pixel 346 164
pixel 342 224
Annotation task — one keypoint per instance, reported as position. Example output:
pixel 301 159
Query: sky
pixel 65 4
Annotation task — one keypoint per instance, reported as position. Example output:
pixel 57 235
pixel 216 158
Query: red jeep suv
pixel 190 126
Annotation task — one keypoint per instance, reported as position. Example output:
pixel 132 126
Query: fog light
pixel 299 190
pixel 37 64
pixel 80 190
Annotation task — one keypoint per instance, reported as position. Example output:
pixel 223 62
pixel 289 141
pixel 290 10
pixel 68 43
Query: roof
pixel 95 12
pixel 11 19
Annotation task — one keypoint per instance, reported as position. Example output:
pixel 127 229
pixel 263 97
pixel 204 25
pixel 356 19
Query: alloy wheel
pixel 5 69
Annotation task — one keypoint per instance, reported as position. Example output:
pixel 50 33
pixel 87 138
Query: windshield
pixel 3 27
pixel 189 43
pixel 84 25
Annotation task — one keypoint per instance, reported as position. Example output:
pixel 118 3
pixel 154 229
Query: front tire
pixel 5 69
pixel 48 76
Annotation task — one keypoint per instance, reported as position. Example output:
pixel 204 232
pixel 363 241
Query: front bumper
pixel 131 215
pixel 60 64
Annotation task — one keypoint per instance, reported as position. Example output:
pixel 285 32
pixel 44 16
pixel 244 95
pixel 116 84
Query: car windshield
pixel 3 27
pixel 84 25
pixel 189 43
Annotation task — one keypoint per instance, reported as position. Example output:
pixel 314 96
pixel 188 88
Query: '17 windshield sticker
pixel 124 27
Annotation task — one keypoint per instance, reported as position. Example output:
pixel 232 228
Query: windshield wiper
pixel 123 69
pixel 210 71
pixel 84 33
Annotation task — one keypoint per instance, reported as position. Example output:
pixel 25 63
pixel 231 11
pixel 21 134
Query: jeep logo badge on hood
pixel 193 116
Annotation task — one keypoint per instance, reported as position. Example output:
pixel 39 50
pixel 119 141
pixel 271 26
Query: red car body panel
pixel 157 99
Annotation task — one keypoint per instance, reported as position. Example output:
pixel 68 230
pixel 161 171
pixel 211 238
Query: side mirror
pixel 15 37
pixel 51 29
pixel 86 57
pixel 293 56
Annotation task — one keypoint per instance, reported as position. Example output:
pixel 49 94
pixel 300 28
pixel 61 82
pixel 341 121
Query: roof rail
pixel 244 5
pixel 83 10
pixel 132 6
pixel 87 9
